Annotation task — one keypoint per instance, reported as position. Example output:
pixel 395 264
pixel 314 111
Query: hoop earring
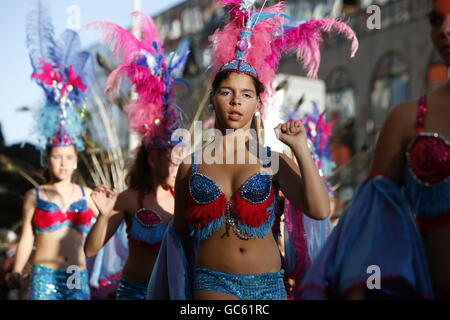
pixel 211 106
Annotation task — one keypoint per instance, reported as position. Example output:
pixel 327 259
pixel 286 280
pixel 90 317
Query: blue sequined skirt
pixel 266 286
pixel 50 284
pixel 128 290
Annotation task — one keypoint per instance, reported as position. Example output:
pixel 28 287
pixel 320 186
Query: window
pixel 341 99
pixel 390 86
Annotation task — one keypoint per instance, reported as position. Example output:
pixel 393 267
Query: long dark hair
pixel 139 177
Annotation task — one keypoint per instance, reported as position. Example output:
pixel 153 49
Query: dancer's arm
pixel 90 203
pixel 26 239
pixel 301 184
pixel 181 189
pixel 398 129
pixel 111 212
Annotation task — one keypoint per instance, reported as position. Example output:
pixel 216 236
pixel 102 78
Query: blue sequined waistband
pixel 62 284
pixel 129 290
pixel 266 286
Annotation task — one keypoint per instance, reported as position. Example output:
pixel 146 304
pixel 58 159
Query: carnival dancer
pixel 147 205
pixel 224 212
pixel 377 236
pixel 59 213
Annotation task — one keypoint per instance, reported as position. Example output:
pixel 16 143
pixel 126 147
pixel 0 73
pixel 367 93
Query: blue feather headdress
pixel 318 132
pixel 64 72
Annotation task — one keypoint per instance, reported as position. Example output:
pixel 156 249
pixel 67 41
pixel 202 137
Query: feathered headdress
pixel 318 132
pixel 154 114
pixel 64 72
pixel 252 42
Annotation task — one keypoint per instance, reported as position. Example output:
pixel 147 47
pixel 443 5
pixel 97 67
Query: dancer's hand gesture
pixel 292 133
pixel 104 199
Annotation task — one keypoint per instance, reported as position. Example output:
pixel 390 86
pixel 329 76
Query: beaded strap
pixel 194 161
pixel 421 112
pixel 266 157
pixel 37 194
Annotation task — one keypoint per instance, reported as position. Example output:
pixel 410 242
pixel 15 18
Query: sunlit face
pixel 62 162
pixel 235 102
pixel 439 18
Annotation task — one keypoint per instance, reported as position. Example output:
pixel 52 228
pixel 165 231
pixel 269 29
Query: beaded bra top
pixel 250 212
pixel 427 175
pixel 48 216
pixel 146 226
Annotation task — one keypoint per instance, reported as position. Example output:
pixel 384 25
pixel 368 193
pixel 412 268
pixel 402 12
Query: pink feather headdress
pixel 153 115
pixel 261 36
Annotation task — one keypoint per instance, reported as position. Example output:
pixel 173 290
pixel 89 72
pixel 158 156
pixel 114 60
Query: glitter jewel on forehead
pixel 64 72
pixel 253 40
pixel 153 115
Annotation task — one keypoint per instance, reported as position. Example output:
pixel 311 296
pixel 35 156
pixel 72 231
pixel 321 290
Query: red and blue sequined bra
pixel 48 215
pixel 250 212
pixel 427 175
pixel 147 227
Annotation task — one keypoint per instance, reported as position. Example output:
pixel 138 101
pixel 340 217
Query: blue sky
pixel 16 88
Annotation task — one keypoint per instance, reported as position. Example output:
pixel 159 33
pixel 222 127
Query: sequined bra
pixel 250 212
pixel 147 226
pixel 48 215
pixel 427 175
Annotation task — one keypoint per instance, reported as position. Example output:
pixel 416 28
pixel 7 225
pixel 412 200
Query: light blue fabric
pixel 426 201
pixel 105 268
pixel 172 275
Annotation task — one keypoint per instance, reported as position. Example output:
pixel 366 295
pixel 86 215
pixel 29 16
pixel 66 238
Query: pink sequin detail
pixel 148 218
pixel 421 115
pixel 430 159
pixel 60 139
pixel 243 44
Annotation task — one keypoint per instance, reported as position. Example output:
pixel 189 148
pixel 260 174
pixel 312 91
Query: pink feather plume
pixel 148 116
pixel 326 129
pixel 307 37
pixel 121 41
pixel 149 87
pixel 147 27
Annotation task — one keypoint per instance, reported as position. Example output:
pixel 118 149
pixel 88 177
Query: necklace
pixel 230 222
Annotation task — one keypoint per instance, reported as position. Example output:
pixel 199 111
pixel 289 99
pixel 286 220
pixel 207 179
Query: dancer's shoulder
pixel 401 120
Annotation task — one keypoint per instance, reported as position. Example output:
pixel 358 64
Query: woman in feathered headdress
pixel 231 208
pixel 59 213
pixel 148 203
